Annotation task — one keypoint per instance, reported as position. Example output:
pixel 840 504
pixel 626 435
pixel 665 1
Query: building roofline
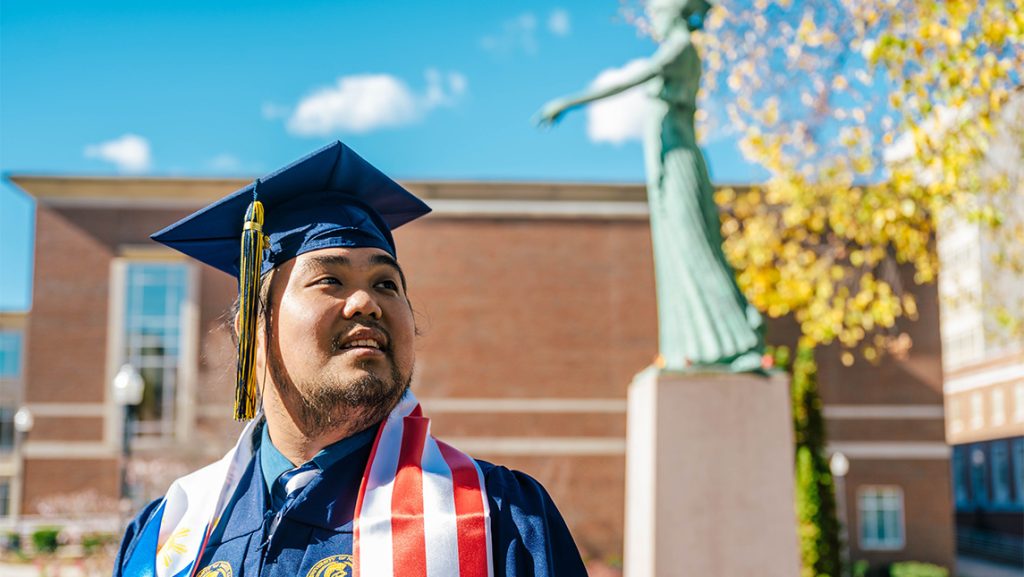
pixel 188 191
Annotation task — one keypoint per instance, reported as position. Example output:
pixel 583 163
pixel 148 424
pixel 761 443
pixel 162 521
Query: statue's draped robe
pixel 314 538
pixel 703 318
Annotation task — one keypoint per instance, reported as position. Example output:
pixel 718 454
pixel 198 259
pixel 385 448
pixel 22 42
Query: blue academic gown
pixel 314 535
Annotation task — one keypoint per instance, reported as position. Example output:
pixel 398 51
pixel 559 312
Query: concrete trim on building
pixel 470 199
pixel 569 209
pixel 68 409
pixel 522 405
pixel 927 450
pixel 923 412
pixel 114 420
pixel 540 446
pixel 188 360
pixel 993 376
pixel 69 450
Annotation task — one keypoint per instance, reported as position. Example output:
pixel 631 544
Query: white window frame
pixel 1018 402
pixel 956 415
pixel 872 545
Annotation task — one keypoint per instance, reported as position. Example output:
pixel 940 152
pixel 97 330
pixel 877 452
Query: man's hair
pixel 262 306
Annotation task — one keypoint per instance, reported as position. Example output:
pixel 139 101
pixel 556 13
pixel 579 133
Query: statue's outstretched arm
pixel 667 52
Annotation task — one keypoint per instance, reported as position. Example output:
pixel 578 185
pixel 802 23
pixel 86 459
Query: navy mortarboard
pixel 330 198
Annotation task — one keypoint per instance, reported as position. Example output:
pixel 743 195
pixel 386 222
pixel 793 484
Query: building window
pixel 959 477
pixel 1018 468
pixel 998 407
pixel 880 511
pixel 956 417
pixel 5 497
pixel 1018 402
pixel 10 354
pixel 10 385
pixel 1000 474
pixel 7 432
pixel 977 411
pixel 155 296
pixel 979 476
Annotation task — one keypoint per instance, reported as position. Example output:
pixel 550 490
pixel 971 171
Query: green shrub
pixel 817 523
pixel 12 542
pixel 44 539
pixel 93 543
pixel 860 568
pixel 915 569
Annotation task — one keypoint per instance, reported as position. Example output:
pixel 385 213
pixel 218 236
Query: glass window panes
pixel 1000 473
pixel 10 354
pixel 155 294
pixel 959 477
pixel 977 416
pixel 998 407
pixel 7 432
pixel 1018 468
pixel 979 475
pixel 880 511
pixel 5 496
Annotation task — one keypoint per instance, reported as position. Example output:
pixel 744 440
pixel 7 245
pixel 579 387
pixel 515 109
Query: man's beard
pixel 333 402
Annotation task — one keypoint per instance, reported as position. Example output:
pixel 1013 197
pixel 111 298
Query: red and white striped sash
pixel 422 508
pixel 421 511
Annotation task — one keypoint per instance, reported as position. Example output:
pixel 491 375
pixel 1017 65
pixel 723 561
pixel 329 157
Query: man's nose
pixel 361 302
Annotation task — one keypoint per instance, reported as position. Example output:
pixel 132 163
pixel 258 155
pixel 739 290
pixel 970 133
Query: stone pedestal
pixel 709 480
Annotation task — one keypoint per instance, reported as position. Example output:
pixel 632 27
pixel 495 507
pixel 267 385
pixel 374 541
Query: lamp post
pixel 839 465
pixel 127 392
pixel 23 423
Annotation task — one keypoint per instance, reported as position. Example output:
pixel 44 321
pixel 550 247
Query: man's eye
pixel 329 280
pixel 388 285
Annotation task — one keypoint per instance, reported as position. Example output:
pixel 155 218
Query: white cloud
pixel 621 117
pixel 443 90
pixel 129 153
pixel 558 22
pixel 518 33
pixel 366 102
pixel 225 163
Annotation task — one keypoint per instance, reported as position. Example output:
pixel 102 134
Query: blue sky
pixel 230 88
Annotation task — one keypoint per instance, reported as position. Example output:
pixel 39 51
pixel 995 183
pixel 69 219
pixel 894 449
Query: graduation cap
pixel 330 198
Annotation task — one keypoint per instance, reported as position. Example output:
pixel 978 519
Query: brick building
pixel 984 386
pixel 536 303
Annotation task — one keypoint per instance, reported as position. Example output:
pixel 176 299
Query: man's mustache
pixel 367 324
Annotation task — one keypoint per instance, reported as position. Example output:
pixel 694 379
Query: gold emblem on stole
pixel 333 566
pixel 217 569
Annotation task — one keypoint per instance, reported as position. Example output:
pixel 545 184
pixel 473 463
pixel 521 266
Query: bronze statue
pixel 704 321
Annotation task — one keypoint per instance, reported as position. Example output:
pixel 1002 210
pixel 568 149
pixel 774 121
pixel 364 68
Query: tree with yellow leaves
pixel 873 119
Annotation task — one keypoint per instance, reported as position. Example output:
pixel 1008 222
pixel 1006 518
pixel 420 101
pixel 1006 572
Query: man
pixel 337 475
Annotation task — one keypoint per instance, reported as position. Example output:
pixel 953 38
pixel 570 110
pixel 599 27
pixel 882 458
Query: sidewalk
pixel 973 567
pixel 69 569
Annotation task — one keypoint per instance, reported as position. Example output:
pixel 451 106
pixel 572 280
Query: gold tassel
pixel 253 242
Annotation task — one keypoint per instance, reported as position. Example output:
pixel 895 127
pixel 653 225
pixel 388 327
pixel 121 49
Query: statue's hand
pixel 551 113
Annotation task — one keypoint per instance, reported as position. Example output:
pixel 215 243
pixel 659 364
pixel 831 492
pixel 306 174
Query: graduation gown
pixel 313 537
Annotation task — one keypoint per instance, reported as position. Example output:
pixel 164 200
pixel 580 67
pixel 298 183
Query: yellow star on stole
pixel 173 546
